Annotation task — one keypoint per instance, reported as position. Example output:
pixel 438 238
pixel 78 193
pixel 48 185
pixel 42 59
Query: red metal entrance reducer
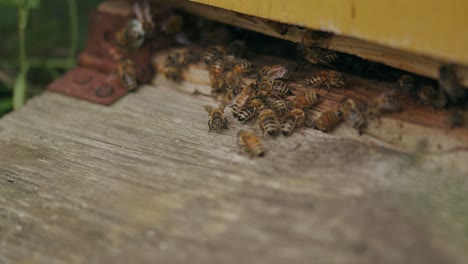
pixel 95 79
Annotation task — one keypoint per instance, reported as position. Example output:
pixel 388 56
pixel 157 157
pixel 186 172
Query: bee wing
pixel 147 11
pixel 208 108
pixel 242 103
pixel 138 13
pixel 222 105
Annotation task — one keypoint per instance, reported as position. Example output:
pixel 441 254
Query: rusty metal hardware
pixel 91 85
pixel 95 79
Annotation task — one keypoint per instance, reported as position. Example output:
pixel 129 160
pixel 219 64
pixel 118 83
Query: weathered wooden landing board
pixel 144 182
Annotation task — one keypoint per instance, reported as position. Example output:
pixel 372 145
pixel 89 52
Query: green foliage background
pixel 49 43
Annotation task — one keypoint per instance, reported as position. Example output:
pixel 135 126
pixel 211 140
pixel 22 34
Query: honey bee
pixel 241 100
pixel 248 113
pixel 212 53
pixel 131 36
pixel 280 88
pixel 281 107
pixel 383 103
pixel 237 48
pixel 217 121
pixel 254 107
pixel 317 55
pixel 230 80
pixel 327 120
pixel 269 73
pixel 251 142
pixel 176 59
pixel 268 122
pixel 406 83
pixel 314 38
pixel 352 114
pixel 174 66
pixel 262 74
pixel 428 94
pixel 242 66
pixel 448 83
pixel 294 119
pixel 306 99
pixel 229 62
pixel 257 103
pixel 328 79
pixel 173 73
pixel 264 88
pixel 145 18
pixel 126 73
pixel 215 70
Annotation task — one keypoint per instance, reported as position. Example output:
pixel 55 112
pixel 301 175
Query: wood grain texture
pixel 144 181
pixel 412 62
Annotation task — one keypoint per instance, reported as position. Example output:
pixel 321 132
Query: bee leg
pixel 225 123
pixel 328 88
pixel 209 125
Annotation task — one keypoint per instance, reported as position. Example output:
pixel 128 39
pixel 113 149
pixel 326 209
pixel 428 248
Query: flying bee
pixel 126 73
pixel 328 79
pixel 217 121
pixel 428 94
pixel 383 103
pixel 212 53
pixel 352 114
pixel 306 99
pixel 237 48
pixel 327 120
pixel 131 36
pixel 242 66
pixel 406 83
pixel 251 142
pixel 448 82
pixel 294 119
pixel 281 107
pixel 230 80
pixel 268 122
pixel 269 73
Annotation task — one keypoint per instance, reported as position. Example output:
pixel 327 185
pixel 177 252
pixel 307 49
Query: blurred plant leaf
pixel 20 3
pixel 5 105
